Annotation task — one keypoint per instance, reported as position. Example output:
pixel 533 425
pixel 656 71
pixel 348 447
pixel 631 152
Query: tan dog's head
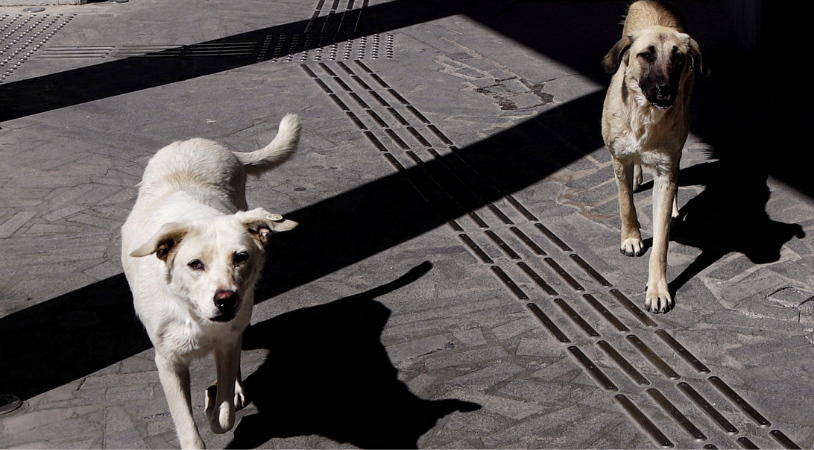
pixel 213 264
pixel 657 62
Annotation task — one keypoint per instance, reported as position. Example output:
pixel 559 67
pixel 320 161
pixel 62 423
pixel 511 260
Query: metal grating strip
pixel 356 120
pixel 623 364
pixel 601 379
pixel 689 357
pixel 509 283
pixel 421 139
pixel 527 240
pixel 653 357
pixel 609 316
pixel 708 409
pixel 379 121
pixel 590 270
pixel 550 325
pixel 378 144
pixel 739 401
pixel 679 417
pixel 536 278
pixel 497 212
pixel 747 444
pixel 639 417
pixel 564 275
pixel 552 237
pixel 638 313
pixel 783 439
pixel 521 209
pixel 502 244
pixel 576 318
pixel 478 251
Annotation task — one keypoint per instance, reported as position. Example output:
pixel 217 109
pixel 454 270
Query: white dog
pixel 195 296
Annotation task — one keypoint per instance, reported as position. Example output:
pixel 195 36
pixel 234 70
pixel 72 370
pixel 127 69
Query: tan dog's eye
pixel 647 56
pixel 196 264
pixel 240 258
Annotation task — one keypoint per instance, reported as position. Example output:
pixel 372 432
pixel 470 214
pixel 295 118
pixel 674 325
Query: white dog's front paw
pixel 240 396
pixel 658 298
pixel 221 417
pixel 632 247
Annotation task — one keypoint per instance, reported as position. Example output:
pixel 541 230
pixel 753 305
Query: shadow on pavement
pixel 76 334
pixel 63 339
pixel 327 373
pixel 728 216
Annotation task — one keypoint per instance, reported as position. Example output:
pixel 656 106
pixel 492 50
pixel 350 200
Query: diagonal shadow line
pixel 96 82
pixel 585 46
pixel 74 335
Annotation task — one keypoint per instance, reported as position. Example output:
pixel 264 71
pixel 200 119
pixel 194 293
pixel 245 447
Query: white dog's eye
pixel 196 264
pixel 240 258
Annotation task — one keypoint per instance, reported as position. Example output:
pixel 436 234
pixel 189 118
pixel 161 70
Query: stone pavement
pixel 455 281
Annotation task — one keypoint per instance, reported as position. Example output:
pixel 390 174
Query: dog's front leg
pixel 220 401
pixel 631 236
pixel 174 378
pixel 658 298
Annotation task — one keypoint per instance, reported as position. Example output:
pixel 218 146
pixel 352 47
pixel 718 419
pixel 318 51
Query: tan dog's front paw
pixel 658 298
pixel 632 247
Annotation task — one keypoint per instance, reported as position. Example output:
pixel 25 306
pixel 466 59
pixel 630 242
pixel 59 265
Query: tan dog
pixel 645 121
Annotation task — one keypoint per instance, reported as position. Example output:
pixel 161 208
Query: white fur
pixel 191 215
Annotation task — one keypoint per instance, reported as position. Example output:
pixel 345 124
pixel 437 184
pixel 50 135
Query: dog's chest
pixel 186 339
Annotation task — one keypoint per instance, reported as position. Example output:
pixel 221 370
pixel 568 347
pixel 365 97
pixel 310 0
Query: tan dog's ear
pixel 613 59
pixel 697 60
pixel 163 241
pixel 261 223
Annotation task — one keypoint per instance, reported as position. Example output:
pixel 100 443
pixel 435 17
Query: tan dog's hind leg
pixel 658 297
pixel 638 176
pixel 631 237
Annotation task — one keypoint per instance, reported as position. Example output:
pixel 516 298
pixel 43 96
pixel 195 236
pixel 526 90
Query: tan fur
pixel 645 121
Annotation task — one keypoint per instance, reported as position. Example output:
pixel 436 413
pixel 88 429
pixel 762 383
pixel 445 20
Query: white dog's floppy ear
pixel 613 59
pixel 261 223
pixel 163 241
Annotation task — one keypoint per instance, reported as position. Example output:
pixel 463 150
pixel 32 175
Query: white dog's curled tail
pixel 277 152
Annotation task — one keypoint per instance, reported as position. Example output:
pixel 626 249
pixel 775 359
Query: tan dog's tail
pixel 277 152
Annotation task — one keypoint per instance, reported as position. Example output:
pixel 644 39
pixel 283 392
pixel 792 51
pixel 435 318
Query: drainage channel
pixel 550 288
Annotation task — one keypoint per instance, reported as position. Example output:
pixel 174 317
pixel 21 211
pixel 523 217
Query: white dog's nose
pixel 226 301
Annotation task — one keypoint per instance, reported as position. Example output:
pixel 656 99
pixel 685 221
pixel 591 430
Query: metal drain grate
pixel 22 36
pixel 275 48
pixel 666 375
pixel 331 34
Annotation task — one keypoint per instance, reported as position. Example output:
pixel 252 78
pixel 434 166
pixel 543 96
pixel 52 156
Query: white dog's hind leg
pixel 220 404
pixel 240 393
pixel 174 378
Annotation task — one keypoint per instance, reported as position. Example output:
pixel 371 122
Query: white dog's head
pixel 213 264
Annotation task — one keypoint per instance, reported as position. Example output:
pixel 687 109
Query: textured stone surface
pixel 437 125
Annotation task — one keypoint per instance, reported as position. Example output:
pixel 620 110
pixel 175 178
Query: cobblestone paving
pixel 455 281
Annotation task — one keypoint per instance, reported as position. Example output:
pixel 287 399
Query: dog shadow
pixel 728 216
pixel 328 374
